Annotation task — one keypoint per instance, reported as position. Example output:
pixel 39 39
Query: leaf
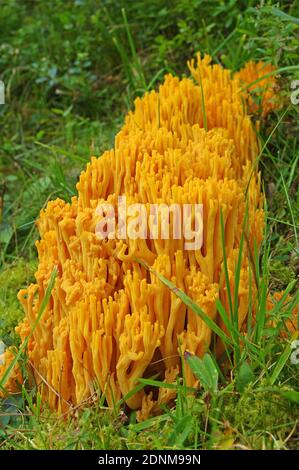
pixel 149 422
pixel 284 16
pixel 4 420
pixel 135 390
pixel 282 361
pixel 290 395
pixel 157 383
pixel 181 431
pixel 6 232
pixel 244 377
pixel 204 370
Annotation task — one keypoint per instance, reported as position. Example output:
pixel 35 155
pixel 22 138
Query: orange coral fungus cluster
pixel 109 321
pixel 259 86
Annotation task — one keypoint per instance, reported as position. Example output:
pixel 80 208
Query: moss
pixel 281 275
pixel 238 421
pixel 251 413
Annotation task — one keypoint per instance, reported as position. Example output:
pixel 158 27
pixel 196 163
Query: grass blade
pixel 282 361
pixel 188 302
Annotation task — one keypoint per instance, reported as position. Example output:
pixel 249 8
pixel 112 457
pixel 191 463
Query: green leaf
pixel 157 383
pixel 135 390
pixel 204 370
pixel 181 431
pixel 148 423
pixel 6 232
pixel 284 16
pixel 244 377
pixel 281 362
pixel 290 395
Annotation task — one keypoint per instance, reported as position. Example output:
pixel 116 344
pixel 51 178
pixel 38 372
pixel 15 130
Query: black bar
pixel 137 458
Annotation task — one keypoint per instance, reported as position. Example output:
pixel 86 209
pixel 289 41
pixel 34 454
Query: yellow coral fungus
pixel 258 80
pixel 109 321
pixel 15 379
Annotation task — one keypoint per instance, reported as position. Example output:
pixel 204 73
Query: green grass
pixel 71 71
